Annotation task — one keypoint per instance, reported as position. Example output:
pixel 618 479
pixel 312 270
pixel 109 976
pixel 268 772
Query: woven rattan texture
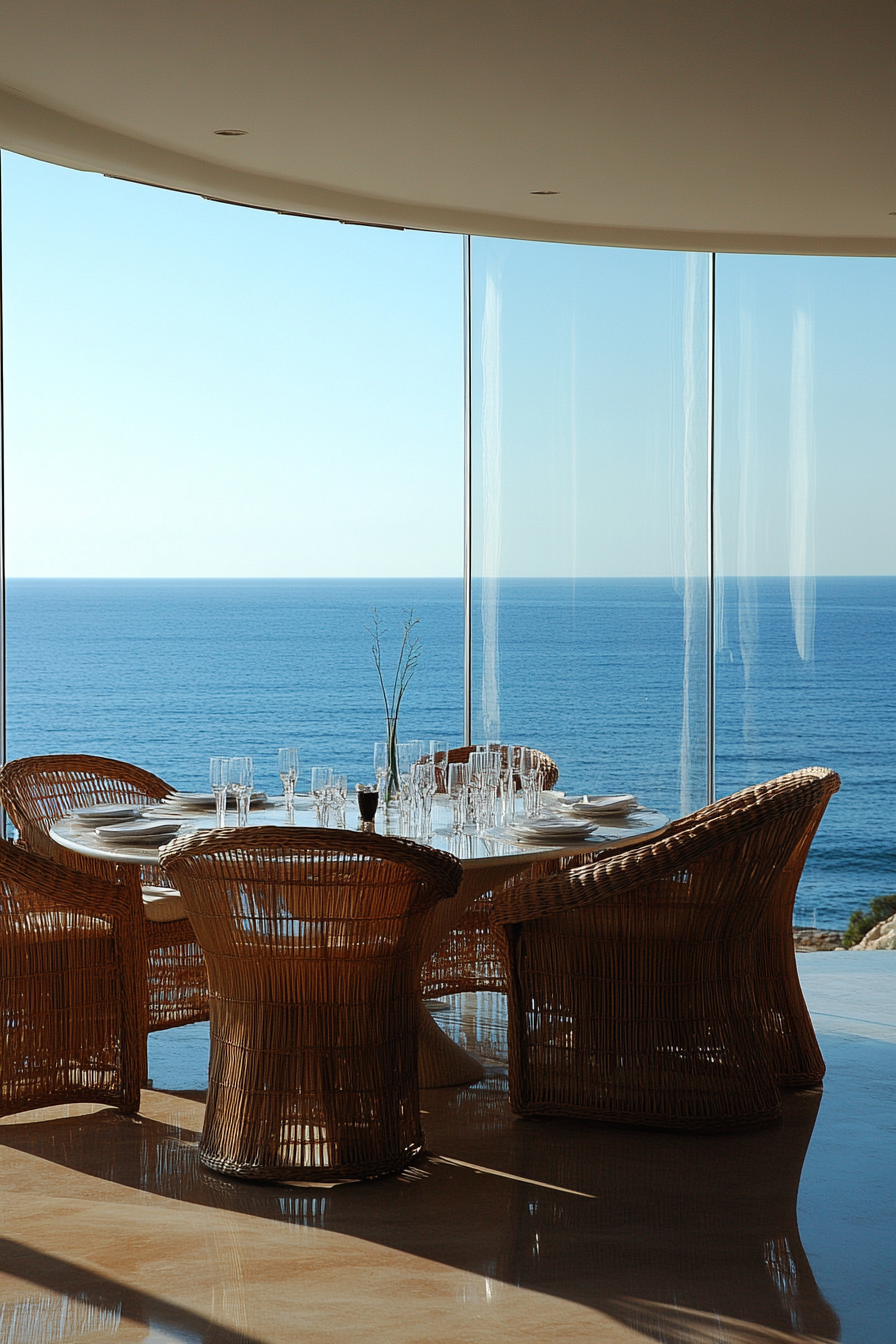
pixel 469 959
pixel 38 791
pixel 312 943
pixel 655 987
pixel 72 1020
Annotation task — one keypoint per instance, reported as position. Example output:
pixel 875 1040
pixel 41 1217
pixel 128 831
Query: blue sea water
pixel 169 672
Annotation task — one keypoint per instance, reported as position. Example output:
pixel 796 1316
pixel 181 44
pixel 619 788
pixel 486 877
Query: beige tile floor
pixel 511 1231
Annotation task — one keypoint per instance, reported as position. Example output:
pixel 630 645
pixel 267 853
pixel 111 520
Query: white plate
pixel 549 828
pixel 108 812
pixel 601 805
pixel 137 832
pixel 176 804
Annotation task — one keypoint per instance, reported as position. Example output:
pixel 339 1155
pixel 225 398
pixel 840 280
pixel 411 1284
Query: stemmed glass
pixel 338 794
pixel 438 750
pixel 506 789
pixel 241 780
pixel 288 765
pixel 423 783
pixel 530 778
pixel 219 778
pixel 321 780
pixel 458 788
pixel 381 766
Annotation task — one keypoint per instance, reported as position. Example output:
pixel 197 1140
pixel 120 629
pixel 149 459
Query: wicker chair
pixel 39 790
pixel 653 987
pixel 312 943
pixel 468 959
pixel 72 1023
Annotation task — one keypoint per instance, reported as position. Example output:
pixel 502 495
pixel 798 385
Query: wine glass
pixel 288 766
pixel 241 779
pixel 219 779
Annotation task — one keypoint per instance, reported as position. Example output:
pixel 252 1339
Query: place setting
pixel 117 824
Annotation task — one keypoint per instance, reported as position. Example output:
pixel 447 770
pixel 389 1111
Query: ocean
pixel 166 673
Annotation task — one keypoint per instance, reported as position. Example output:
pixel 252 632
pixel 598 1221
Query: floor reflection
pixel 54 1300
pixel 662 1232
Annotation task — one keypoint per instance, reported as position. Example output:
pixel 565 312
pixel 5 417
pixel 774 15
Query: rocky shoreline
pixel 816 940
pixel 882 938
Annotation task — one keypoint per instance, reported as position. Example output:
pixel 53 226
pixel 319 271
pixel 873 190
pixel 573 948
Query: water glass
pixel 241 779
pixel 219 778
pixel 288 766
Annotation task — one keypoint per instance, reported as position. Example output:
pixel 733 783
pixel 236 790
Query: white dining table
pixel 488 861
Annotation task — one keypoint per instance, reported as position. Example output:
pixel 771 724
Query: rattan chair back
pixel 72 1018
pixel 37 791
pixel 312 944
pixel 634 985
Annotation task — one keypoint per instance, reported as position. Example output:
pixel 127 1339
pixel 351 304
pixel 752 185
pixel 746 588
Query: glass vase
pixel 393 776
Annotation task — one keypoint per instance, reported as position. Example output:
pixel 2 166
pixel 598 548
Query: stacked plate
pixel 598 805
pixel 107 813
pixel 148 834
pixel 552 830
pixel 177 804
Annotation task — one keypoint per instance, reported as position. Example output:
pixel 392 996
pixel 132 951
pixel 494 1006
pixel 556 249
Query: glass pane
pixel 589 522
pixel 806 478
pixel 230 435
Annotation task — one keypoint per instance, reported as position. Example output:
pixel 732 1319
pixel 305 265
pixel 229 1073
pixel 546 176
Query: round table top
pixel 474 850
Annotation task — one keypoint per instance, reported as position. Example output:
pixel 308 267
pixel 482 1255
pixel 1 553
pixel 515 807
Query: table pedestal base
pixel 444 1063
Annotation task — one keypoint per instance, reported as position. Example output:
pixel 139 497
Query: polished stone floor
pixel 510 1230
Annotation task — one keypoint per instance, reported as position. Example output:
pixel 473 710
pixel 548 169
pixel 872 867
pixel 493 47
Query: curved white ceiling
pixel 757 125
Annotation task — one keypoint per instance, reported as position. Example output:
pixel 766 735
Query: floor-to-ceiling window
pixel 805 486
pixel 231 434
pixel 590 375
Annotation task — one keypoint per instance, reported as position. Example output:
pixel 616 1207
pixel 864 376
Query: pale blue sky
pixel 196 389
pixel 201 389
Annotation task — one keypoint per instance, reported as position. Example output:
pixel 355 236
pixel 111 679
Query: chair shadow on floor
pixel 669 1234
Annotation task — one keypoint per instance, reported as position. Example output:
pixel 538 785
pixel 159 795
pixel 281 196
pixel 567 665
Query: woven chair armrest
pixel 690 839
pixel 69 889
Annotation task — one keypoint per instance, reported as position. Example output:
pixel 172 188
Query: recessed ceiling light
pixel 544 193
pixel 231 132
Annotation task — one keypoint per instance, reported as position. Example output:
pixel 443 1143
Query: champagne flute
pixel 438 750
pixel 219 779
pixel 381 767
pixel 241 779
pixel 458 787
pixel 321 778
pixel 424 780
pixel 339 796
pixel 288 766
